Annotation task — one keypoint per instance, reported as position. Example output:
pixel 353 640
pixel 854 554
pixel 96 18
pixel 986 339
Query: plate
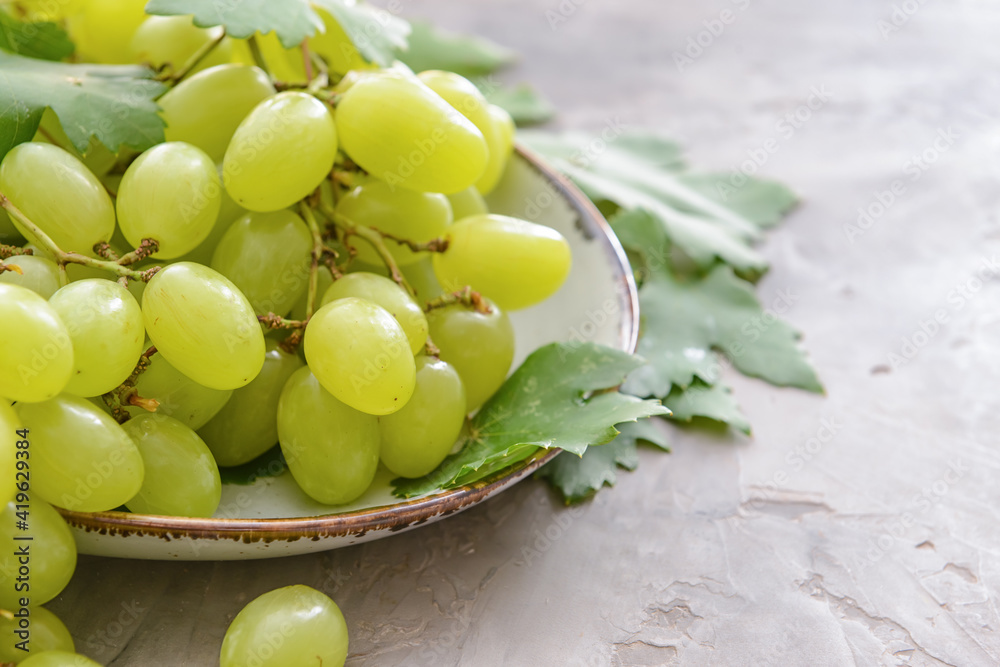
pixel 272 517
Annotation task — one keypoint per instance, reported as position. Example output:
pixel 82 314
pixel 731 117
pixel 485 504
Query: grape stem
pixel 125 393
pixel 11 267
pixel 434 245
pixel 258 57
pixel 63 258
pixel 195 58
pixel 317 256
pixel 465 296
pixel 272 321
pixel 8 251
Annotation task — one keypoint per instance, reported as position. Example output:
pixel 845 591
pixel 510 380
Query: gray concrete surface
pixel 857 528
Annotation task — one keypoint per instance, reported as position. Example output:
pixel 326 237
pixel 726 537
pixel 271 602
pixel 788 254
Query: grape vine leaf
pixel 522 102
pixel 561 396
pixel 715 402
pixel 470 56
pixel 377 34
pixel 577 478
pixel 111 102
pixel 763 202
pixel 42 40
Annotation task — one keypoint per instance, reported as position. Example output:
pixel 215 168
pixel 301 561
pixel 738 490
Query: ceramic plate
pixel 272 517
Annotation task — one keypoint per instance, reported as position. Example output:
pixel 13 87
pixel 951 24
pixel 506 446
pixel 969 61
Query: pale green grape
pixel 284 64
pixel 39 274
pixel 430 148
pixel 361 355
pixel 59 659
pixel 182 478
pixel 289 627
pixel 81 459
pixel 45 633
pixel 384 292
pixel 280 152
pixel 9 438
pixel 105 326
pixel 337 48
pixel 229 212
pixel 8 232
pixel 331 448
pixel 501 148
pixel 59 195
pixel 422 279
pixel 479 345
pixel 171 193
pixel 267 256
pixel 418 437
pixel 248 424
pixel 103 29
pixel 466 203
pixel 415 216
pixel 36 354
pixel 162 40
pixel 514 262
pixel 203 325
pixel 206 109
pixel 52 551
pixel 325 279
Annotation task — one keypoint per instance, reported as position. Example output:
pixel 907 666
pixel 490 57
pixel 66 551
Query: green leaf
pixel 291 20
pixel 45 41
pixel 683 321
pixel 523 104
pixel 433 48
pixel 111 102
pixel 713 402
pixel 375 33
pixel 577 478
pixel 764 203
pixel 557 398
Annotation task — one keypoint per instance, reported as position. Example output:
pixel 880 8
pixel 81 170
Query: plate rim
pixel 404 514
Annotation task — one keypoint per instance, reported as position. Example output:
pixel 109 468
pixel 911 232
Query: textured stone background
pixel 856 528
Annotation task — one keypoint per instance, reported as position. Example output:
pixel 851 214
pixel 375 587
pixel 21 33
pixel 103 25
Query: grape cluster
pixel 308 259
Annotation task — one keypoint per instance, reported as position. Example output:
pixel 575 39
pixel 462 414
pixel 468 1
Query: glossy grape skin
pixel 467 203
pixel 421 278
pixel 47 633
pixel 267 256
pixel 384 292
pixel 52 549
pixel 81 459
pixel 310 628
pixel 105 325
pixel 361 355
pixel 418 437
pixel 229 213
pixel 36 354
pixel 56 192
pixel 103 29
pixel 514 262
pixel 182 478
pixel 162 40
pixel 171 193
pixel 480 347
pixel 9 437
pixel 248 424
pixel 203 325
pixel 39 274
pixel 59 659
pixel 415 216
pixel 431 147
pixel 331 448
pixel 206 109
pixel 501 143
pixel 280 152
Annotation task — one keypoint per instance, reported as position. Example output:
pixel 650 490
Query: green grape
pixel 331 448
pixel 9 455
pixel 514 262
pixel 284 64
pixel 267 256
pixel 501 145
pixel 182 478
pixel 479 345
pixel 105 326
pixel 431 147
pixel 81 459
pixel 178 395
pixel 51 549
pixel 466 203
pixel 288 627
pixel 280 152
pixel 418 437
pixel 45 633
pixel 59 195
pixel 229 212
pixel 206 109
pixel 415 216
pixel 59 659
pixel 171 193
pixel 325 279
pixel 203 325
pixel 384 292
pixel 421 278
pixel 361 355
pixel 102 31
pixel 162 40
pixel 337 48
pixel 39 274
pixel 248 424
pixel 8 232
pixel 36 355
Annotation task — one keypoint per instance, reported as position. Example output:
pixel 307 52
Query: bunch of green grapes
pixel 308 263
